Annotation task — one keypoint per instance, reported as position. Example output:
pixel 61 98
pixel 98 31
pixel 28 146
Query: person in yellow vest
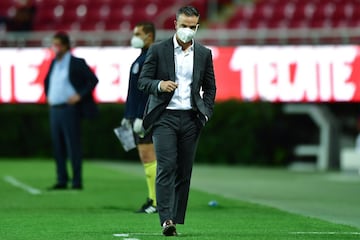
pixel 143 37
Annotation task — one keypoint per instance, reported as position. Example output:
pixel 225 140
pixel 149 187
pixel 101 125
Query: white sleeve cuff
pixel 159 88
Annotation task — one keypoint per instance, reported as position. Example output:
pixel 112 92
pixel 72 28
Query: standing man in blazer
pixel 69 84
pixel 175 73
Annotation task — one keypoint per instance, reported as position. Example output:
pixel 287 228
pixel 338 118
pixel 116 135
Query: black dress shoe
pixel 77 187
pixel 169 228
pixel 58 187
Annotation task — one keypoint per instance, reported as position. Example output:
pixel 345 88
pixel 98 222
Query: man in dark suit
pixel 174 74
pixel 69 84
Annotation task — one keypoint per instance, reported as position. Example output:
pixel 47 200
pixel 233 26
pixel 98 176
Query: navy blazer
pixel 160 65
pixel 84 81
pixel 136 100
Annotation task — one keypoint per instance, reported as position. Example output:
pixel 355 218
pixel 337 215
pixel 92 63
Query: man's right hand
pixel 168 86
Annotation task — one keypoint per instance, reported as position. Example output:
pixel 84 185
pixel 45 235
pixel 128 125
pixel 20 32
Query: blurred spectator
pixel 2 24
pixel 68 85
pixel 22 20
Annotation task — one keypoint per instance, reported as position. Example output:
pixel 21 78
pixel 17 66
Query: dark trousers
pixel 66 139
pixel 175 137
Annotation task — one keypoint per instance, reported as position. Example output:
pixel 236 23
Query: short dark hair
pixel 188 11
pixel 63 37
pixel 148 27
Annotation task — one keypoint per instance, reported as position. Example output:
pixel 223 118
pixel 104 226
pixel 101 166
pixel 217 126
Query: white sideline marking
pixel 136 234
pixel 13 181
pixel 120 235
pixel 126 235
pixel 326 233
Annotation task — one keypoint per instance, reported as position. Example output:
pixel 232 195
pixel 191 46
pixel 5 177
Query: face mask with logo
pixel 185 34
pixel 137 42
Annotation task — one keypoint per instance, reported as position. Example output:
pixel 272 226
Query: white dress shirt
pixel 184 64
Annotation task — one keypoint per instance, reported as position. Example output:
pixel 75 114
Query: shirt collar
pixel 144 50
pixel 65 58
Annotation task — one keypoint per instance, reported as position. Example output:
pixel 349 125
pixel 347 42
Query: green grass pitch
pixel 105 210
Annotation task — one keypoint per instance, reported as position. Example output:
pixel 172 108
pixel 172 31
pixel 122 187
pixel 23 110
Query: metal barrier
pixel 216 37
pixel 327 152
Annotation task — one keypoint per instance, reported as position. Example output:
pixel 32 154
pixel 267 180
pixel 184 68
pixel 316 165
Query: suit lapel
pixel 198 58
pixel 71 66
pixel 168 54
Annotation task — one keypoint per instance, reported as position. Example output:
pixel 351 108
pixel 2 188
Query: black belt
pixel 61 105
pixel 180 111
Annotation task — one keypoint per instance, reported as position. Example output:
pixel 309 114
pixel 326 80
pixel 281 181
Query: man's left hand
pixel 74 99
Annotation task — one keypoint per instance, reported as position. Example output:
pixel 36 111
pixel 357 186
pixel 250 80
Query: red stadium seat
pixel 324 11
pixel 305 10
pixel 241 17
pixel 283 12
pixel 48 15
pixel 5 6
pixel 169 22
pixel 320 23
pixel 71 15
pixel 302 23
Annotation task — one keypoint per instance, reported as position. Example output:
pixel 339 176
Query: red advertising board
pixel 269 73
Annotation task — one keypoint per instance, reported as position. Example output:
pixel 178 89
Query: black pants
pixel 175 137
pixel 66 139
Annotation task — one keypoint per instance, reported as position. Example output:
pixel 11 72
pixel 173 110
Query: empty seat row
pixel 101 14
pixel 296 13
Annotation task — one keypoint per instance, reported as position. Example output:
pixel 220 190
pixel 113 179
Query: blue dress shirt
pixel 60 88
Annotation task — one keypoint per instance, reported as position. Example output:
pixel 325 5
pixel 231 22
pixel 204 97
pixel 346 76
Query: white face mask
pixel 185 34
pixel 137 42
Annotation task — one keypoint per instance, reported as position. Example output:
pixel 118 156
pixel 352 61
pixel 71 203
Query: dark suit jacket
pixel 160 65
pixel 83 81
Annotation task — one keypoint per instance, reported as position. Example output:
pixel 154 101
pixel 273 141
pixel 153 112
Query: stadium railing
pixel 216 37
